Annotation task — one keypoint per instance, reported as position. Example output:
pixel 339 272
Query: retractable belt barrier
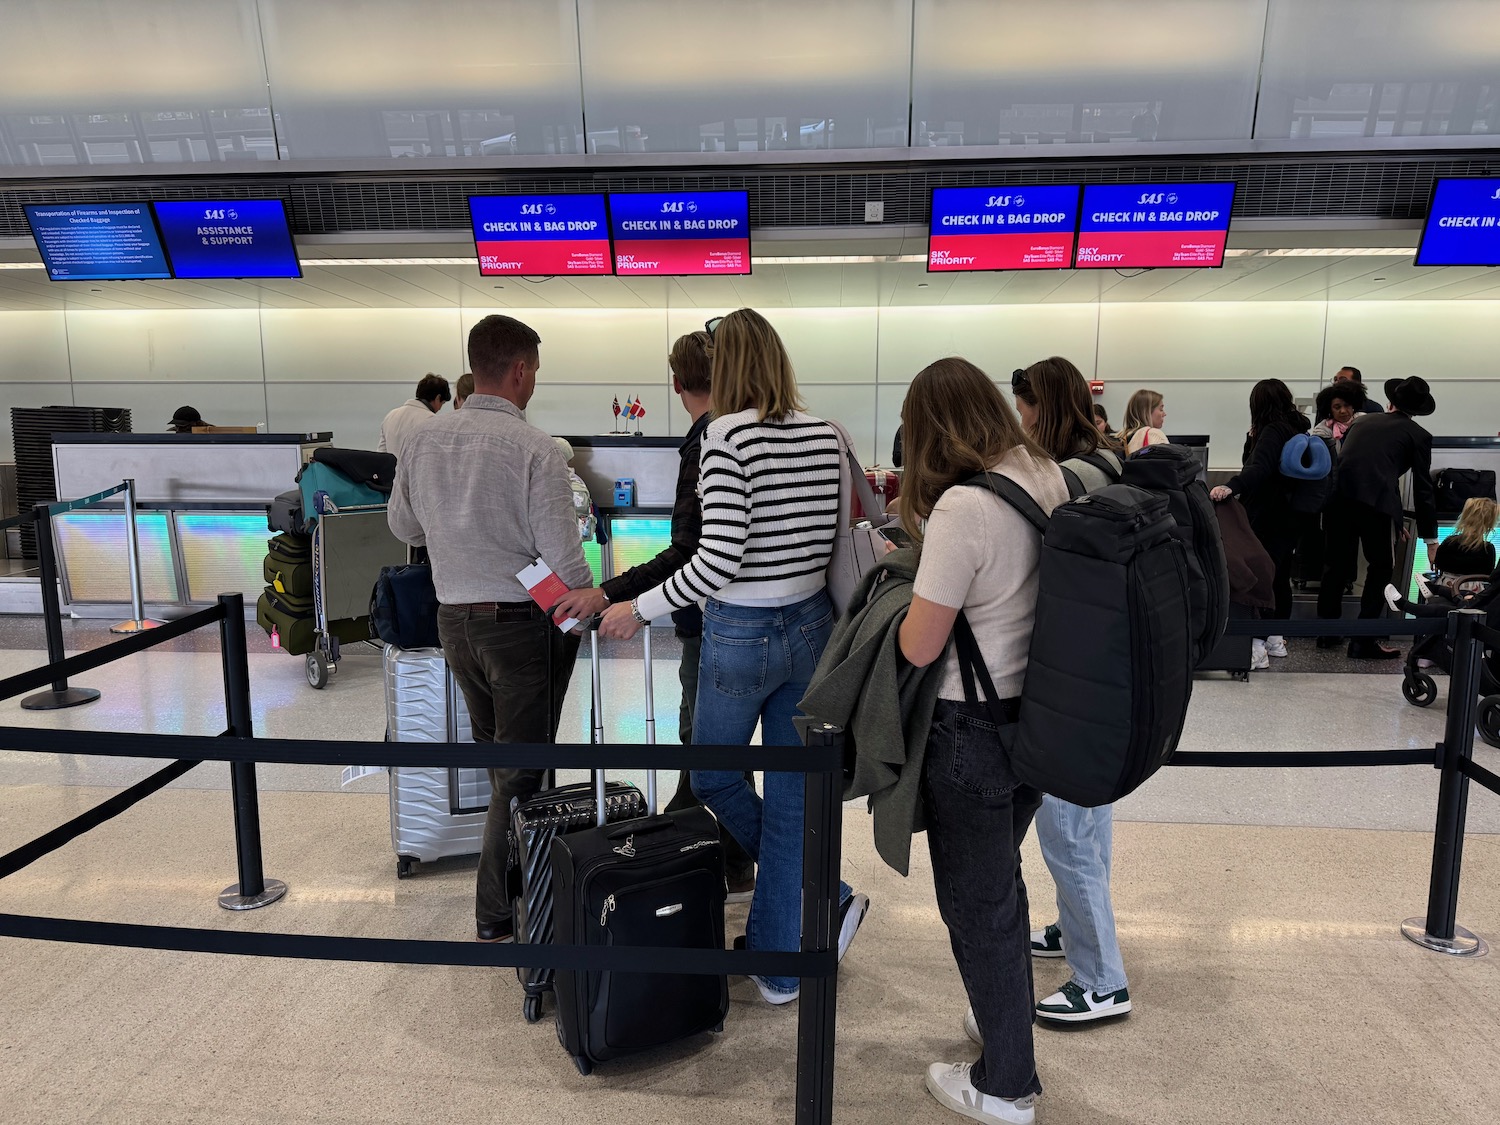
pixel 821 761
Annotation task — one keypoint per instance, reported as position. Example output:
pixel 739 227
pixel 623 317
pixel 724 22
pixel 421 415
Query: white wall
pixel 339 369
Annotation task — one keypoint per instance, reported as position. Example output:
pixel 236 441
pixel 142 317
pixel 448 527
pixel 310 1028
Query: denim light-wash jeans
pixel 755 666
pixel 1078 844
pixel 977 816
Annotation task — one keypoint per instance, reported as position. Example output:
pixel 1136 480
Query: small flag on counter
pixel 617 405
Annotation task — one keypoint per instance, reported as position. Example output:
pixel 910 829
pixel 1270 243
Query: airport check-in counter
pixel 201 512
pixel 1447 453
pixel 638 531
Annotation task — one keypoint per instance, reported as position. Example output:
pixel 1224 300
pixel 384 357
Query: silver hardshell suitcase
pixel 435 812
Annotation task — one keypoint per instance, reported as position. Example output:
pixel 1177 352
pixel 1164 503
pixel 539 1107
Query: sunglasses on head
pixel 712 325
pixel 1018 379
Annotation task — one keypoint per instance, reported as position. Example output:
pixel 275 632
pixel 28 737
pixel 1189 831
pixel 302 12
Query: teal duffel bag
pixel 317 477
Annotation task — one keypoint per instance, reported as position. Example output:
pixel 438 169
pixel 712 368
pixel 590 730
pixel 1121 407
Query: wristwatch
pixel 635 611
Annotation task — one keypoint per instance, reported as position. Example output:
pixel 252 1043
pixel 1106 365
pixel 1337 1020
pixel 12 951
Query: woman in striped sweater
pixel 770 489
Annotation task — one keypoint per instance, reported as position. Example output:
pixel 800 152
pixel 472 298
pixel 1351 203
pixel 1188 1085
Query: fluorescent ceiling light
pixel 1342 252
pixel 20 265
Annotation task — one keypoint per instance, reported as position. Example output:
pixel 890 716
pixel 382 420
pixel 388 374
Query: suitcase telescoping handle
pixel 601 811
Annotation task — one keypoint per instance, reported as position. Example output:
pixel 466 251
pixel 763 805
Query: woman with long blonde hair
pixel 1468 551
pixel 770 489
pixel 977 579
pixel 1145 415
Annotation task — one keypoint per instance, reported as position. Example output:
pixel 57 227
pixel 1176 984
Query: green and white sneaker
pixel 1047 942
pixel 1076 1005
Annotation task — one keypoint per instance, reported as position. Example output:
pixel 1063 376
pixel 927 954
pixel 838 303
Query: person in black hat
pixel 1368 515
pixel 184 419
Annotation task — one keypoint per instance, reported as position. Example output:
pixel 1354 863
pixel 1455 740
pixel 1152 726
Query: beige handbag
pixel 855 549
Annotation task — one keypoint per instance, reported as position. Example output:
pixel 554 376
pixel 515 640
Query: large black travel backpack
pixel 1456 487
pixel 1109 674
pixel 1172 472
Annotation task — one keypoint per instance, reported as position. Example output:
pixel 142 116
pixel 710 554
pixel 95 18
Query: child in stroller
pixel 1439 600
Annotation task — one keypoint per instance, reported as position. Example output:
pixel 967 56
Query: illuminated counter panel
pixel 94 559
pixel 635 539
pixel 222 553
pixel 594 553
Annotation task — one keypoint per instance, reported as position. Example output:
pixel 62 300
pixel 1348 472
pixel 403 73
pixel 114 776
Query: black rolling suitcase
pixel 651 881
pixel 535 822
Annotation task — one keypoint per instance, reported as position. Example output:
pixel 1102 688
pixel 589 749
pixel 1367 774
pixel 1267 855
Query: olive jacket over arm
pixel 882 701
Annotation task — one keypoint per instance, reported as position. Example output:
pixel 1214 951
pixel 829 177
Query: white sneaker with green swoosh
pixel 1075 1004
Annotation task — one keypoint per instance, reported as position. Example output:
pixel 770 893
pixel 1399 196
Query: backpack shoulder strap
pixel 1109 468
pixel 1074 483
pixel 971 664
pixel 1013 494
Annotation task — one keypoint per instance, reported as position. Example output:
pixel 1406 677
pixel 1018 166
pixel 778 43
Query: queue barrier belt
pixel 1339 627
pixel 1488 779
pixel 61 506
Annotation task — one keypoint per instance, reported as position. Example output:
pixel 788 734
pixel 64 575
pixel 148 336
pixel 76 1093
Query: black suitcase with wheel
pixel 656 881
pixel 537 821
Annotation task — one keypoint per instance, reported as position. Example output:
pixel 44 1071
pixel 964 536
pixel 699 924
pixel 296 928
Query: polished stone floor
pixel 1258 913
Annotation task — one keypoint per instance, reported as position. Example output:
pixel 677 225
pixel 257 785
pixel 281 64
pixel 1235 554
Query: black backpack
pixel 1109 674
pixel 404 607
pixel 363 466
pixel 1172 472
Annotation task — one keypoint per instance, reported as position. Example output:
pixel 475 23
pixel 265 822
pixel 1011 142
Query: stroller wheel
pixel 1488 724
pixel 1420 689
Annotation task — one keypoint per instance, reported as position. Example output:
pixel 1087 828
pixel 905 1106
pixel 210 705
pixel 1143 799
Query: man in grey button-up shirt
pixel 488 493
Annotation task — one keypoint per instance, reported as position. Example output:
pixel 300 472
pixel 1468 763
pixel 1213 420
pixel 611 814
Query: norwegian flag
pixel 617 405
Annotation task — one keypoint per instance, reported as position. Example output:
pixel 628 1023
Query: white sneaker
pixel 775 995
pixel 1275 646
pixel 949 1084
pixel 1258 658
pixel 1392 598
pixel 971 1028
pixel 851 914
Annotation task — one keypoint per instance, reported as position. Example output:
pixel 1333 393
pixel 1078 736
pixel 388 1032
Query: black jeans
pixel 512 665
pixel 977 816
pixel 1281 544
pixel 738 866
pixel 1353 526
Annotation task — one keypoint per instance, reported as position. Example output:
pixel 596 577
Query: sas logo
pixel 1005 201
pixel 1151 197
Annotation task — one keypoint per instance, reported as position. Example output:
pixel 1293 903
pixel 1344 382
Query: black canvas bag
pixel 1456 487
pixel 1171 472
pixel 1109 673
pixel 363 466
pixel 404 607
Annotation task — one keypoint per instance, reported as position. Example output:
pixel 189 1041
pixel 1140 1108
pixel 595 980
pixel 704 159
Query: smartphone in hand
pixel 895 536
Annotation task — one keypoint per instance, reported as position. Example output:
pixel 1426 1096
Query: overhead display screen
pixel 1014 228
pixel 98 241
pixel 228 238
pixel 1463 225
pixel 551 235
pixel 1153 226
pixel 681 233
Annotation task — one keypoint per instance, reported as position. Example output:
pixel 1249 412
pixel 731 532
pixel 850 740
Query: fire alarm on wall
pixel 1096 386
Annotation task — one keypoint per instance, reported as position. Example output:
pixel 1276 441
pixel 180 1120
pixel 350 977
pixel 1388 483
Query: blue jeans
pixel 1078 844
pixel 755 667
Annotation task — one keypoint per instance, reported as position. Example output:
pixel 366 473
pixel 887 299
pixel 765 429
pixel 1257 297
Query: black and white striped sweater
pixel 770 513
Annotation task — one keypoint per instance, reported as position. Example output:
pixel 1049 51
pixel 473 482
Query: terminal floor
pixel 1258 913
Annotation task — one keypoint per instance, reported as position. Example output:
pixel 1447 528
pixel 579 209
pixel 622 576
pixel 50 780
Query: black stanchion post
pixel 254 889
pixel 1440 931
pixel 59 695
pixel 818 1005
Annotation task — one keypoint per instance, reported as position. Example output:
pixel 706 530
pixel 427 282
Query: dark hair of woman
pixel 1059 393
pixel 1100 414
pixel 955 423
pixel 1349 392
pixel 1271 402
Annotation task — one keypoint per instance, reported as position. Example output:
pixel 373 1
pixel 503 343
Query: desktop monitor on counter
pixel 1463 224
pixel 541 235
pixel 229 238
pixel 1011 228
pixel 1153 226
pixel 98 241
pixel 680 233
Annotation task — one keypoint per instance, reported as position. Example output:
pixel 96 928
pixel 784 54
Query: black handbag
pixel 1456 487
pixel 404 607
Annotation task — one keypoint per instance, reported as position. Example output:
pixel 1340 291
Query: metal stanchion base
pixel 54 700
pixel 1462 944
pixel 231 899
pixel 134 626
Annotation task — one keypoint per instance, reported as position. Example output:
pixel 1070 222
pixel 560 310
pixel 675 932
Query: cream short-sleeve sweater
pixel 980 555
